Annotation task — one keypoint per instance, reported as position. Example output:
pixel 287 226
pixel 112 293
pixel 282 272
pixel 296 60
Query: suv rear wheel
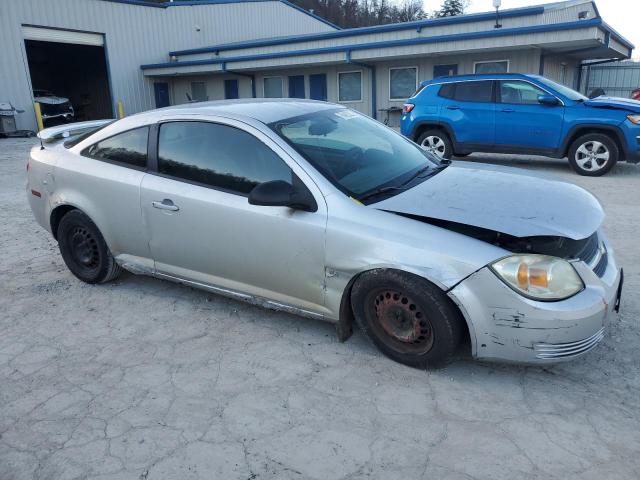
pixel 436 142
pixel 593 154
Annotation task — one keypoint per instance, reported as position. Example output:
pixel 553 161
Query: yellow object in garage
pixel 36 106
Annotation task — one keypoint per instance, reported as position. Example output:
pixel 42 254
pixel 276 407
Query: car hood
pixel 51 100
pixel 506 200
pixel 615 103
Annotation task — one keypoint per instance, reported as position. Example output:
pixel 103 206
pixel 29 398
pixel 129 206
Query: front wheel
pixel 409 319
pixel 436 142
pixel 593 155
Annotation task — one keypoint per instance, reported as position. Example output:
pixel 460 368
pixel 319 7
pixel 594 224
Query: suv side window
pixel 219 156
pixel 475 91
pixel 447 90
pixel 128 148
pixel 519 92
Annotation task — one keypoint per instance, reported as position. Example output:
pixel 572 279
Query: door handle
pixel 453 107
pixel 165 204
pixel 508 110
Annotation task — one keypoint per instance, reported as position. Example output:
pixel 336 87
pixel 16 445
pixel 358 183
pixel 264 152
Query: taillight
pixel 407 107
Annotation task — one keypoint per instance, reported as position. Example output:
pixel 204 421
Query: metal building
pixel 154 55
pixel 618 79
pixel 91 50
pixel 375 69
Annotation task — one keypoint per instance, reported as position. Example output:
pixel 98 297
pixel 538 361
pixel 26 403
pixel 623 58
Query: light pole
pixel 497 4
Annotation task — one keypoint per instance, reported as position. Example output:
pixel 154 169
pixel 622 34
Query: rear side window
pixel 447 90
pixel 217 155
pixel 481 91
pixel 128 148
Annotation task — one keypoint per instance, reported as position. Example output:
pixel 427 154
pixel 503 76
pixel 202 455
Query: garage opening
pixel 68 74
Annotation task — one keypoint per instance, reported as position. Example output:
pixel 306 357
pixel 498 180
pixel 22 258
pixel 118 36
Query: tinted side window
pixel 514 91
pixel 447 90
pixel 218 155
pixel 481 91
pixel 129 148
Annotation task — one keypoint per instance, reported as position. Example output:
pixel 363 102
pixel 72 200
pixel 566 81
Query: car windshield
pixel 358 155
pixel 570 93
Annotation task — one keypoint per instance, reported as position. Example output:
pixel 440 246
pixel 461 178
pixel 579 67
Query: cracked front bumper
pixel 506 326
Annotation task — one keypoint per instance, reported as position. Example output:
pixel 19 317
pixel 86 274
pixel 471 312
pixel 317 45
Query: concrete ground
pixel 143 379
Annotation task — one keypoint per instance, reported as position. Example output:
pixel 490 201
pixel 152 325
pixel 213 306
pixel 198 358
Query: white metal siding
pixel 135 35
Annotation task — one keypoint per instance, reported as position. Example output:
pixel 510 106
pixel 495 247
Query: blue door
pixel 318 87
pixel 231 89
pixel 445 70
pixel 296 86
pixel 522 121
pixel 161 93
pixel 469 108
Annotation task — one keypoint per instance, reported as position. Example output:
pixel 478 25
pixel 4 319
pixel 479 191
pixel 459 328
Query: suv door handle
pixel 453 107
pixel 165 204
pixel 508 110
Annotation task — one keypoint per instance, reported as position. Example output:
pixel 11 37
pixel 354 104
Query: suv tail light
pixel 407 107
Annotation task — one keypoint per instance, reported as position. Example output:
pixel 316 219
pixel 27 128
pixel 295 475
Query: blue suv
pixel 522 114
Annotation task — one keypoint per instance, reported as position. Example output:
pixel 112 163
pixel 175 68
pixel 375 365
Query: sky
pixel 622 15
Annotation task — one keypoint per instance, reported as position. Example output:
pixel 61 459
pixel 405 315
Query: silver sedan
pixel 315 209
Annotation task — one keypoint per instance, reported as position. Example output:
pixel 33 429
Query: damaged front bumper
pixel 506 326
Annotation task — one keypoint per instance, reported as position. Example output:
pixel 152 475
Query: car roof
pixel 266 111
pixel 477 76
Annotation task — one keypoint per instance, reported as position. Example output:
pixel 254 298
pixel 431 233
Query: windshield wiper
pixel 430 171
pixel 380 191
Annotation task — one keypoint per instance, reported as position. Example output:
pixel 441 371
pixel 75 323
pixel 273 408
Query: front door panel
pixel 211 234
pixel 521 121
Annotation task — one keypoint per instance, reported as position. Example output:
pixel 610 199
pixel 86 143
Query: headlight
pixel 540 277
pixel 634 119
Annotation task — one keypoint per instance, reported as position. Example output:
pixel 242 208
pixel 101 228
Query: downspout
pixel 372 69
pixel 240 74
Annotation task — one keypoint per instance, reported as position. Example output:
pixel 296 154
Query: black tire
pixel 408 318
pixel 84 250
pixel 436 142
pixel 593 154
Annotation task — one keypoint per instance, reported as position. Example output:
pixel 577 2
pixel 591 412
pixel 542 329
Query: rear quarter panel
pixel 427 109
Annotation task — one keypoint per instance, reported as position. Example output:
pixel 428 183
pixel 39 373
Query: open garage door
pixel 69 65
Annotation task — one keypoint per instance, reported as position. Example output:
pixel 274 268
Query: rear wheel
pixel 409 319
pixel 84 250
pixel 593 154
pixel 436 142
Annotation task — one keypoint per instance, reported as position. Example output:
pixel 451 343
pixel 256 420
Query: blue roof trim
pixel 476 17
pixel 616 36
pixel 388 43
pixel 192 3
pixel 186 3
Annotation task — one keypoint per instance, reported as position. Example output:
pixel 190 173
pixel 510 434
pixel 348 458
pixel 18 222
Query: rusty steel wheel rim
pixel 402 320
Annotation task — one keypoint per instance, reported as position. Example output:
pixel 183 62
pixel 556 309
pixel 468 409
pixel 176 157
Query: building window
pixel 199 91
pixel 350 86
pixel 497 66
pixel 403 82
pixel 273 87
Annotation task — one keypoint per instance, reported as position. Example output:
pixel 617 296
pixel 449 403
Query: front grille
pixel 601 266
pixel 55 109
pixel 589 249
pixel 564 350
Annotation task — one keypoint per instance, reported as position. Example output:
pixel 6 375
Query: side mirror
pixel 279 193
pixel 549 100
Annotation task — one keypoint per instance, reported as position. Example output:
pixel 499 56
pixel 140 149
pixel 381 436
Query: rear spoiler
pixel 61 132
